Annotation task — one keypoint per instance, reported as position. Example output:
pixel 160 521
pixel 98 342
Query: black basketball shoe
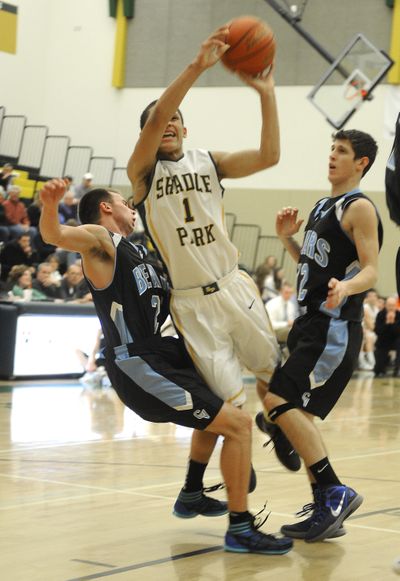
pixel 300 529
pixel 284 450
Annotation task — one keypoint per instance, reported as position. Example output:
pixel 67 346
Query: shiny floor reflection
pixel 87 489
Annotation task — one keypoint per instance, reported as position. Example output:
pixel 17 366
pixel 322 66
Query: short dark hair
pixel 362 143
pixel 146 112
pixel 89 206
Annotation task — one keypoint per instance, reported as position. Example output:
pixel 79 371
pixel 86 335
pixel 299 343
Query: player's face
pixel 342 162
pixel 174 133
pixel 123 214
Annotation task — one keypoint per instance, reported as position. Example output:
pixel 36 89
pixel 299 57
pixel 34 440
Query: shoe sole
pixel 244 550
pixel 339 533
pixel 194 514
pixel 327 533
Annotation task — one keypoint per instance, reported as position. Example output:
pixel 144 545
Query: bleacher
pixel 38 156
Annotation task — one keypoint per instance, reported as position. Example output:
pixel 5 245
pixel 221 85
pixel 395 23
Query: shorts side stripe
pixel 155 384
pixel 333 353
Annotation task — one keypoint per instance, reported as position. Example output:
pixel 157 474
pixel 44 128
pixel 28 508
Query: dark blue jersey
pixel 328 252
pixel 134 305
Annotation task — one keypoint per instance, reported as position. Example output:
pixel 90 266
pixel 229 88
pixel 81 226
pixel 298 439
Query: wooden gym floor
pixel 87 488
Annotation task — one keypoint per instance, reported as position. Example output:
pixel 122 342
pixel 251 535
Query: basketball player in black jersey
pixel 337 264
pixel 154 375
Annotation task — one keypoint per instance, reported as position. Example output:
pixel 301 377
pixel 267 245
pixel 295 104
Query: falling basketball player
pixel 337 264
pixel 215 306
pixel 153 375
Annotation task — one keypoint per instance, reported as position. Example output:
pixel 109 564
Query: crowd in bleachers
pixel 30 269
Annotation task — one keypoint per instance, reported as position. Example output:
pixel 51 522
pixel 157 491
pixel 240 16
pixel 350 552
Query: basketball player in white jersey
pixel 215 306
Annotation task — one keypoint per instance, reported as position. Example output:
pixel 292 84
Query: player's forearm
pixel 173 96
pixel 363 281
pixel 270 139
pixel 291 246
pixel 49 224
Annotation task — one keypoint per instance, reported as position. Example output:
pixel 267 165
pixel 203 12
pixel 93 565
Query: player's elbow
pixel 270 158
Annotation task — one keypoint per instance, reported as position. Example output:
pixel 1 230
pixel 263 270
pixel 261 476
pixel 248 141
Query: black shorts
pixel 323 355
pixel 157 380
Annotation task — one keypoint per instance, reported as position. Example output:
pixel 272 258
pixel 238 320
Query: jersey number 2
pixel 156 304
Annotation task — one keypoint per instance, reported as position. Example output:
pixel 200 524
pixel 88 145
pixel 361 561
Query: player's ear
pixel 184 132
pixel 363 162
pixel 105 206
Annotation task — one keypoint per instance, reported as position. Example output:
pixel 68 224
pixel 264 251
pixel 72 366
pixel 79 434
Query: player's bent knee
pixel 277 411
pixel 232 422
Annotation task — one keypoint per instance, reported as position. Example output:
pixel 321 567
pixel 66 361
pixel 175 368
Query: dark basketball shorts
pixel 323 355
pixel 158 381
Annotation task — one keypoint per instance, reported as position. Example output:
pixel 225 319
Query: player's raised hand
pixel 263 82
pixel 336 293
pixel 213 48
pixel 287 224
pixel 53 191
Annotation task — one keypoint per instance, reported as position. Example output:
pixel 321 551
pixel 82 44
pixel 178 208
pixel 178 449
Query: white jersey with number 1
pixel 185 218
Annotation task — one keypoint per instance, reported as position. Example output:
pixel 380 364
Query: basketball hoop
pixel 356 86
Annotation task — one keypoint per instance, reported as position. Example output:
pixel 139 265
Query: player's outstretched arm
pixel 286 226
pixel 76 239
pixel 144 155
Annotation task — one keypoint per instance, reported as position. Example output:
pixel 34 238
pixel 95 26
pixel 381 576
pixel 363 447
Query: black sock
pixel 194 476
pixel 236 518
pixel 324 474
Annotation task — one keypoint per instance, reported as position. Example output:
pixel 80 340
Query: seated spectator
pixel 282 311
pixel 20 284
pixel 82 189
pixel 54 262
pixel 381 303
pixel 263 270
pixel 387 329
pixel 17 215
pixel 65 257
pixel 44 283
pixel 4 232
pixel 34 210
pixel 68 208
pixel 272 283
pixel 6 176
pixel 15 252
pixel 73 286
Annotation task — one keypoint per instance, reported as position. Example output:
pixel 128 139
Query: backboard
pixel 349 81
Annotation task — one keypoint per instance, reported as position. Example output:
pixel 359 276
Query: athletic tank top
pixel 184 217
pixel 328 252
pixel 134 305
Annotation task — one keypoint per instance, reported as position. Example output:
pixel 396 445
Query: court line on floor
pixel 148 563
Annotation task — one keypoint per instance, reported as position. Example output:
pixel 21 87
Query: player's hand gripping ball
pixel 252 46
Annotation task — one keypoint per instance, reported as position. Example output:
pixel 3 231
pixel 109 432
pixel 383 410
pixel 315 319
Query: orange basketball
pixel 252 45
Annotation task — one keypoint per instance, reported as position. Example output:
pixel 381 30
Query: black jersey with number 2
pixel 328 252
pixel 134 305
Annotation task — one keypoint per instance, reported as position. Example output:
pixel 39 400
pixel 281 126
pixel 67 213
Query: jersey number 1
pixel 188 213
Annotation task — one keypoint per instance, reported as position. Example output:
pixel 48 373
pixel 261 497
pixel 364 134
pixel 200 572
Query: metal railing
pixel 32 147
pixel 245 238
pixel 12 130
pixel 54 155
pixel 77 161
pixel 102 168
